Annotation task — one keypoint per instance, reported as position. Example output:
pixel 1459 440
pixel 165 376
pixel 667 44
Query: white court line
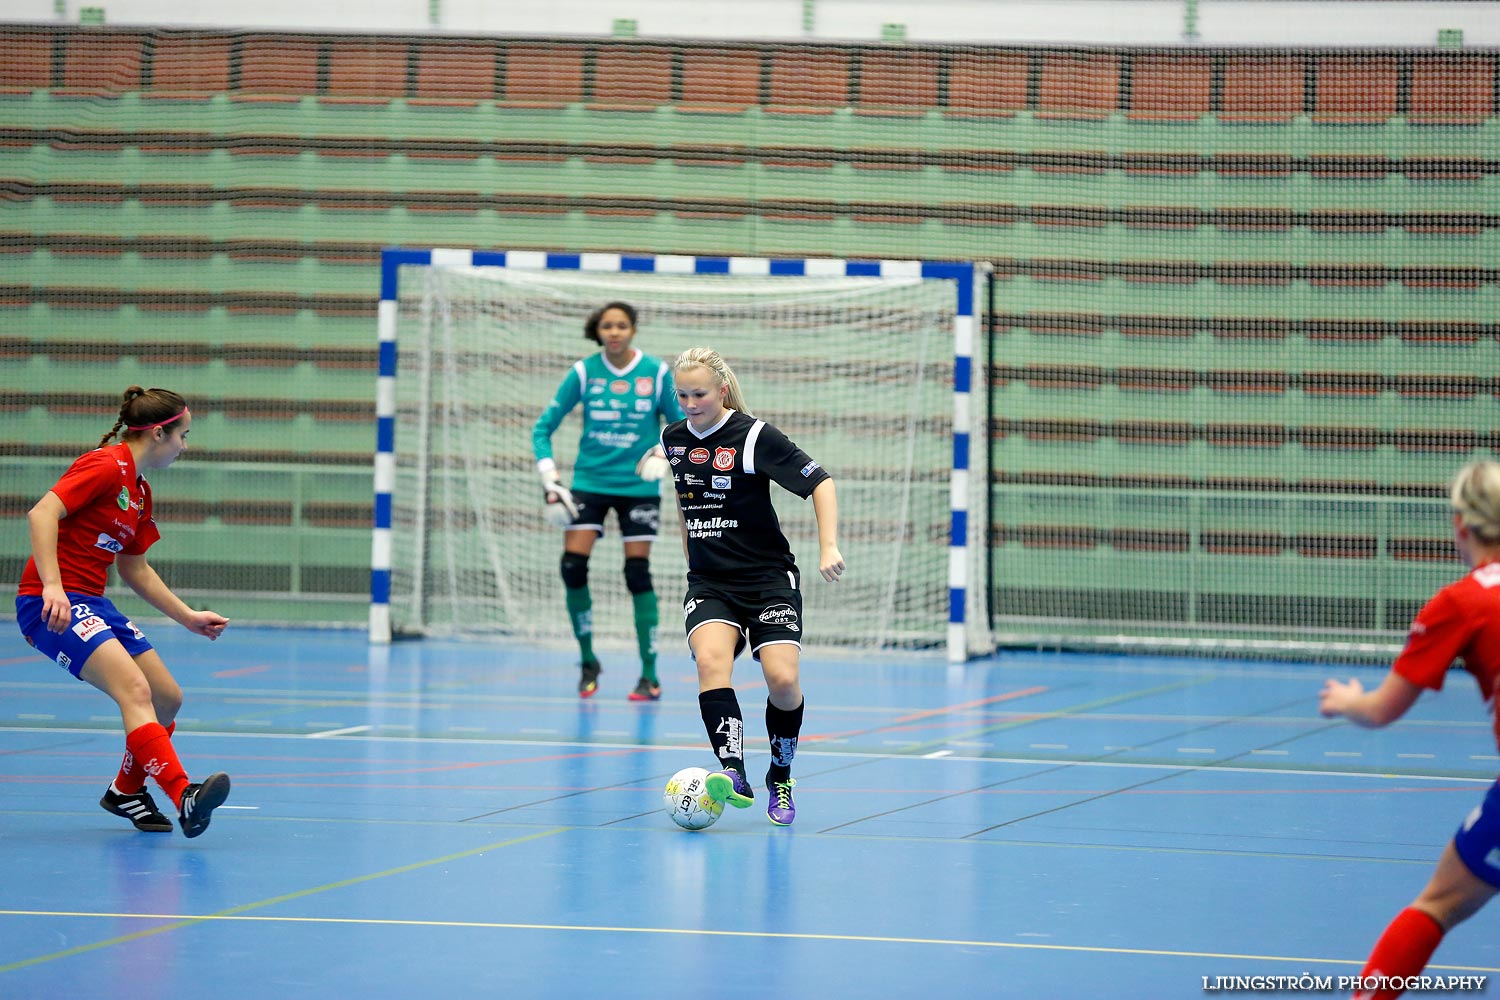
pixel 1276 753
pixel 1049 746
pixel 239 807
pixel 1342 753
pixel 803 751
pixel 936 754
pixel 1417 756
pixel 1196 750
pixel 36 717
pixel 347 730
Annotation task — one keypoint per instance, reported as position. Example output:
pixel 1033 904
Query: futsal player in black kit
pixel 743 585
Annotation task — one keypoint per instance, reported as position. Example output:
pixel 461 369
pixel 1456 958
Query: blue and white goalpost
pixel 456 499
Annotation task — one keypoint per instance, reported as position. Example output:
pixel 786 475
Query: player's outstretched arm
pixel 826 510
pixel 1371 709
pixel 141 578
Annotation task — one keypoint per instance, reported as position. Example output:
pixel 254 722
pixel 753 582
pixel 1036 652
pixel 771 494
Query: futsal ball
pixel 688 802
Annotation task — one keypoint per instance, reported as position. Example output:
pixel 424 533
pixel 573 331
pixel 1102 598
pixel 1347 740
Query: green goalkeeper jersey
pixel 623 413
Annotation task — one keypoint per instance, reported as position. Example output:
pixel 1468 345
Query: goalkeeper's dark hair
pixel 591 325
pixel 1475 494
pixel 707 357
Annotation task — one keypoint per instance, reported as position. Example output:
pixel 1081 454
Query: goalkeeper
pixel 626 397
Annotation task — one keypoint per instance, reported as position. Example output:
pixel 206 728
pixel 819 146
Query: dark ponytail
pixel 143 409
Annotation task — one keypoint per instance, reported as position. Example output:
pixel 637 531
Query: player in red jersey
pixel 1461 622
pixel 99 513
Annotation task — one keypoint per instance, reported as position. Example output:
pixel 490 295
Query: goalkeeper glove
pixel 560 510
pixel 653 466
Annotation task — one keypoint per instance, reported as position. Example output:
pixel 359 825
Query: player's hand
pixel 1337 696
pixel 57 610
pixel 206 623
pixel 653 466
pixel 560 510
pixel 831 563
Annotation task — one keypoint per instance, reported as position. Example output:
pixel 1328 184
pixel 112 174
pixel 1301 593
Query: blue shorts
pixel 95 622
pixel 1478 840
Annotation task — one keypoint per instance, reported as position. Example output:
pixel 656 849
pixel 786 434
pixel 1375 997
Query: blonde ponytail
pixel 707 357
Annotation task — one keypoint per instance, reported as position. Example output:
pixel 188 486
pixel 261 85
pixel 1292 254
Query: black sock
pixel 783 728
pixel 725 725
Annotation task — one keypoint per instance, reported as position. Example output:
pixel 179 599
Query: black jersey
pixel 723 480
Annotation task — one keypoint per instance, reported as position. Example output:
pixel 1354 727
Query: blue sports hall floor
pixel 448 819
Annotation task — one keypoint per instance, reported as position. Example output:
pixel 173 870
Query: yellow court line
pixel 233 912
pixel 1057 713
pixel 698 932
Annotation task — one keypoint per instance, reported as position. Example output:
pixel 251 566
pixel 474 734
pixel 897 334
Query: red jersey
pixel 1462 621
pixel 109 512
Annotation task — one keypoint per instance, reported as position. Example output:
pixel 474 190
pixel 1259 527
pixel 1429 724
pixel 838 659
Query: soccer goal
pixel 865 364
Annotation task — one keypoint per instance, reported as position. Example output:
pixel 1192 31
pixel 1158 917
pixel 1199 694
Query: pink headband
pixel 162 423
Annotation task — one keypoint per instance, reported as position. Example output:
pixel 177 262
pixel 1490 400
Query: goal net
pixel 858 371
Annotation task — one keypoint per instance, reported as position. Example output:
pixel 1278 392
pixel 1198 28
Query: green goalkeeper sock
pixel 581 615
pixel 645 632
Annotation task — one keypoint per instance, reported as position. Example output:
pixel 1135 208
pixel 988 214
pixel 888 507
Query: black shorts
pixel 640 517
pixel 765 616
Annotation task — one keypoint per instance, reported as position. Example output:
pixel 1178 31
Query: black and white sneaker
pixel 199 801
pixel 139 808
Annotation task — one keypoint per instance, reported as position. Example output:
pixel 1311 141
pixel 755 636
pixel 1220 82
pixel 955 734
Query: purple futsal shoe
pixel 781 809
pixel 730 786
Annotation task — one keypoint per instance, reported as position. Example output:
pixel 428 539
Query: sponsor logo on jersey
pixel 605 414
pixel 596 386
pixel 676 461
pixel 720 482
pixel 690 606
pixel 645 515
pixel 645 385
pixel 90 627
pixel 65 661
pixel 643 406
pixel 807 469
pixel 108 543
pixel 711 523
pixel 698 456
pixel 724 459
pixel 619 386
pixel 691 480
pixel 132 626
pixel 123 499
pixel 615 439
pixel 676 449
pixel 714 496
pixel 780 614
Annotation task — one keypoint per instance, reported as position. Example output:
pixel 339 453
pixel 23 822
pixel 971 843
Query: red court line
pixel 241 671
pixel 469 765
pixel 925 714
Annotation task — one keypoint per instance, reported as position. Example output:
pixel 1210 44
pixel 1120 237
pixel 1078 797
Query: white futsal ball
pixel 688 802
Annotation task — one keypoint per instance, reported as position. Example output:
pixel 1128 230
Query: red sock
pixel 151 746
pixel 132 777
pixel 1403 950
